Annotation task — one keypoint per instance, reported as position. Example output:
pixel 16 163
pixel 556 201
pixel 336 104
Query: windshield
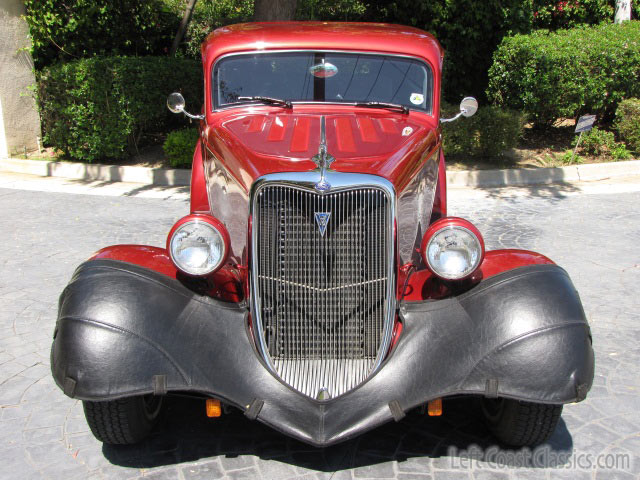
pixel 323 77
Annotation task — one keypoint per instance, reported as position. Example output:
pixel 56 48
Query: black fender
pixel 124 330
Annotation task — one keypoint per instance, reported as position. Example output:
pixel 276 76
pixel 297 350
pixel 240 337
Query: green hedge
pixel 65 30
pixel 628 123
pixel 179 146
pixel 490 133
pixel 567 73
pixel 95 108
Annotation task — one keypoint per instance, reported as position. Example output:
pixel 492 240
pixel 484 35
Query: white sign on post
pixel 585 123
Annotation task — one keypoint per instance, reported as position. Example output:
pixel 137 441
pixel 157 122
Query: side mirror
pixel 468 108
pixel 176 103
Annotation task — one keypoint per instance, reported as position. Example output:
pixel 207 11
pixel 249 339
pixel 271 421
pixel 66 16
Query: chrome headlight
pixel 453 248
pixel 198 245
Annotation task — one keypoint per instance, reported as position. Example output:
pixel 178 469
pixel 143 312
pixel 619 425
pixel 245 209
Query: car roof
pixel 348 36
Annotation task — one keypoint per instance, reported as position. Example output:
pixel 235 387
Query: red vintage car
pixel 317 283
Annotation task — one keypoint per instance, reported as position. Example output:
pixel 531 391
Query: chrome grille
pixel 323 313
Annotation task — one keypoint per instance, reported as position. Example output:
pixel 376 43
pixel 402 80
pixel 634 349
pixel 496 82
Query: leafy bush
pixel 65 30
pixel 628 123
pixel 567 73
pixel 601 143
pixel 179 145
pixel 489 133
pixel 94 108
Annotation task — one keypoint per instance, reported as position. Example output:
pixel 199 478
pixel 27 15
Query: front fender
pixel 123 330
pixel 224 284
pixel 521 334
pixel 151 258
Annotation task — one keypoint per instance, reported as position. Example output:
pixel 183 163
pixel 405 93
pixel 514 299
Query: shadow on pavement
pixel 553 192
pixel 137 191
pixel 186 435
pixel 133 192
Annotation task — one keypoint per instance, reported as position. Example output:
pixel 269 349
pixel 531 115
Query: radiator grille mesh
pixel 322 304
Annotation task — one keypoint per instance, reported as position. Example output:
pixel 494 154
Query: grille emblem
pixel 322 219
pixel 323 394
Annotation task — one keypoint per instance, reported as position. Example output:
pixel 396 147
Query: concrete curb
pixel 101 173
pixel 463 178
pixel 541 176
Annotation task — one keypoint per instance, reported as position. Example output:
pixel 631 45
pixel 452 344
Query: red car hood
pixel 252 144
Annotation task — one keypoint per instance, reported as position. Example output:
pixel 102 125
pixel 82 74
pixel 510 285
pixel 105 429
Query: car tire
pixel 124 421
pixel 520 424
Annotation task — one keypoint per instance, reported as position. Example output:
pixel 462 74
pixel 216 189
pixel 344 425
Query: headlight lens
pixel 454 252
pixel 197 247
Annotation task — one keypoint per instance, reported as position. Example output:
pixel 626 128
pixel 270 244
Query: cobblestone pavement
pixel 43 434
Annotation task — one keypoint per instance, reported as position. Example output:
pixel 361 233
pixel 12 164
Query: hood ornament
pixel 323 159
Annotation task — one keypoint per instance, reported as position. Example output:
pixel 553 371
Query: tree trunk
pixel 274 10
pixel 183 27
pixel 623 11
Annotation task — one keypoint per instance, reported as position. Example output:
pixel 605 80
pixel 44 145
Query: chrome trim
pixel 341 182
pixel 356 52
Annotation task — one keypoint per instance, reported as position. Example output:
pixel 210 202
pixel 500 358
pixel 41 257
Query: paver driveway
pixel 43 434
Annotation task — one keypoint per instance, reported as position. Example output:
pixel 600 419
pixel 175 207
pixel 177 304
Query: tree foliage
pixel 568 14
pixel 211 14
pixel 334 10
pixel 469 30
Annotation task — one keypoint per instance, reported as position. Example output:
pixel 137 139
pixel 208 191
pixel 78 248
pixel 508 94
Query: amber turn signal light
pixel 434 408
pixel 214 409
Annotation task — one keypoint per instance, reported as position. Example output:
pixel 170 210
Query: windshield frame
pixel 212 77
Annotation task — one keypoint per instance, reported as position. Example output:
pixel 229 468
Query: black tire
pixel 124 421
pixel 520 424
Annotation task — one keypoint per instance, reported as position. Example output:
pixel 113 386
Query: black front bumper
pixel 124 330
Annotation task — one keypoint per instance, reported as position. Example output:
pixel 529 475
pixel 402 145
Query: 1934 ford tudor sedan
pixel 317 283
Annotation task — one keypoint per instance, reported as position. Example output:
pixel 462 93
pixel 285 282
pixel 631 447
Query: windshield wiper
pixel 391 106
pixel 269 100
